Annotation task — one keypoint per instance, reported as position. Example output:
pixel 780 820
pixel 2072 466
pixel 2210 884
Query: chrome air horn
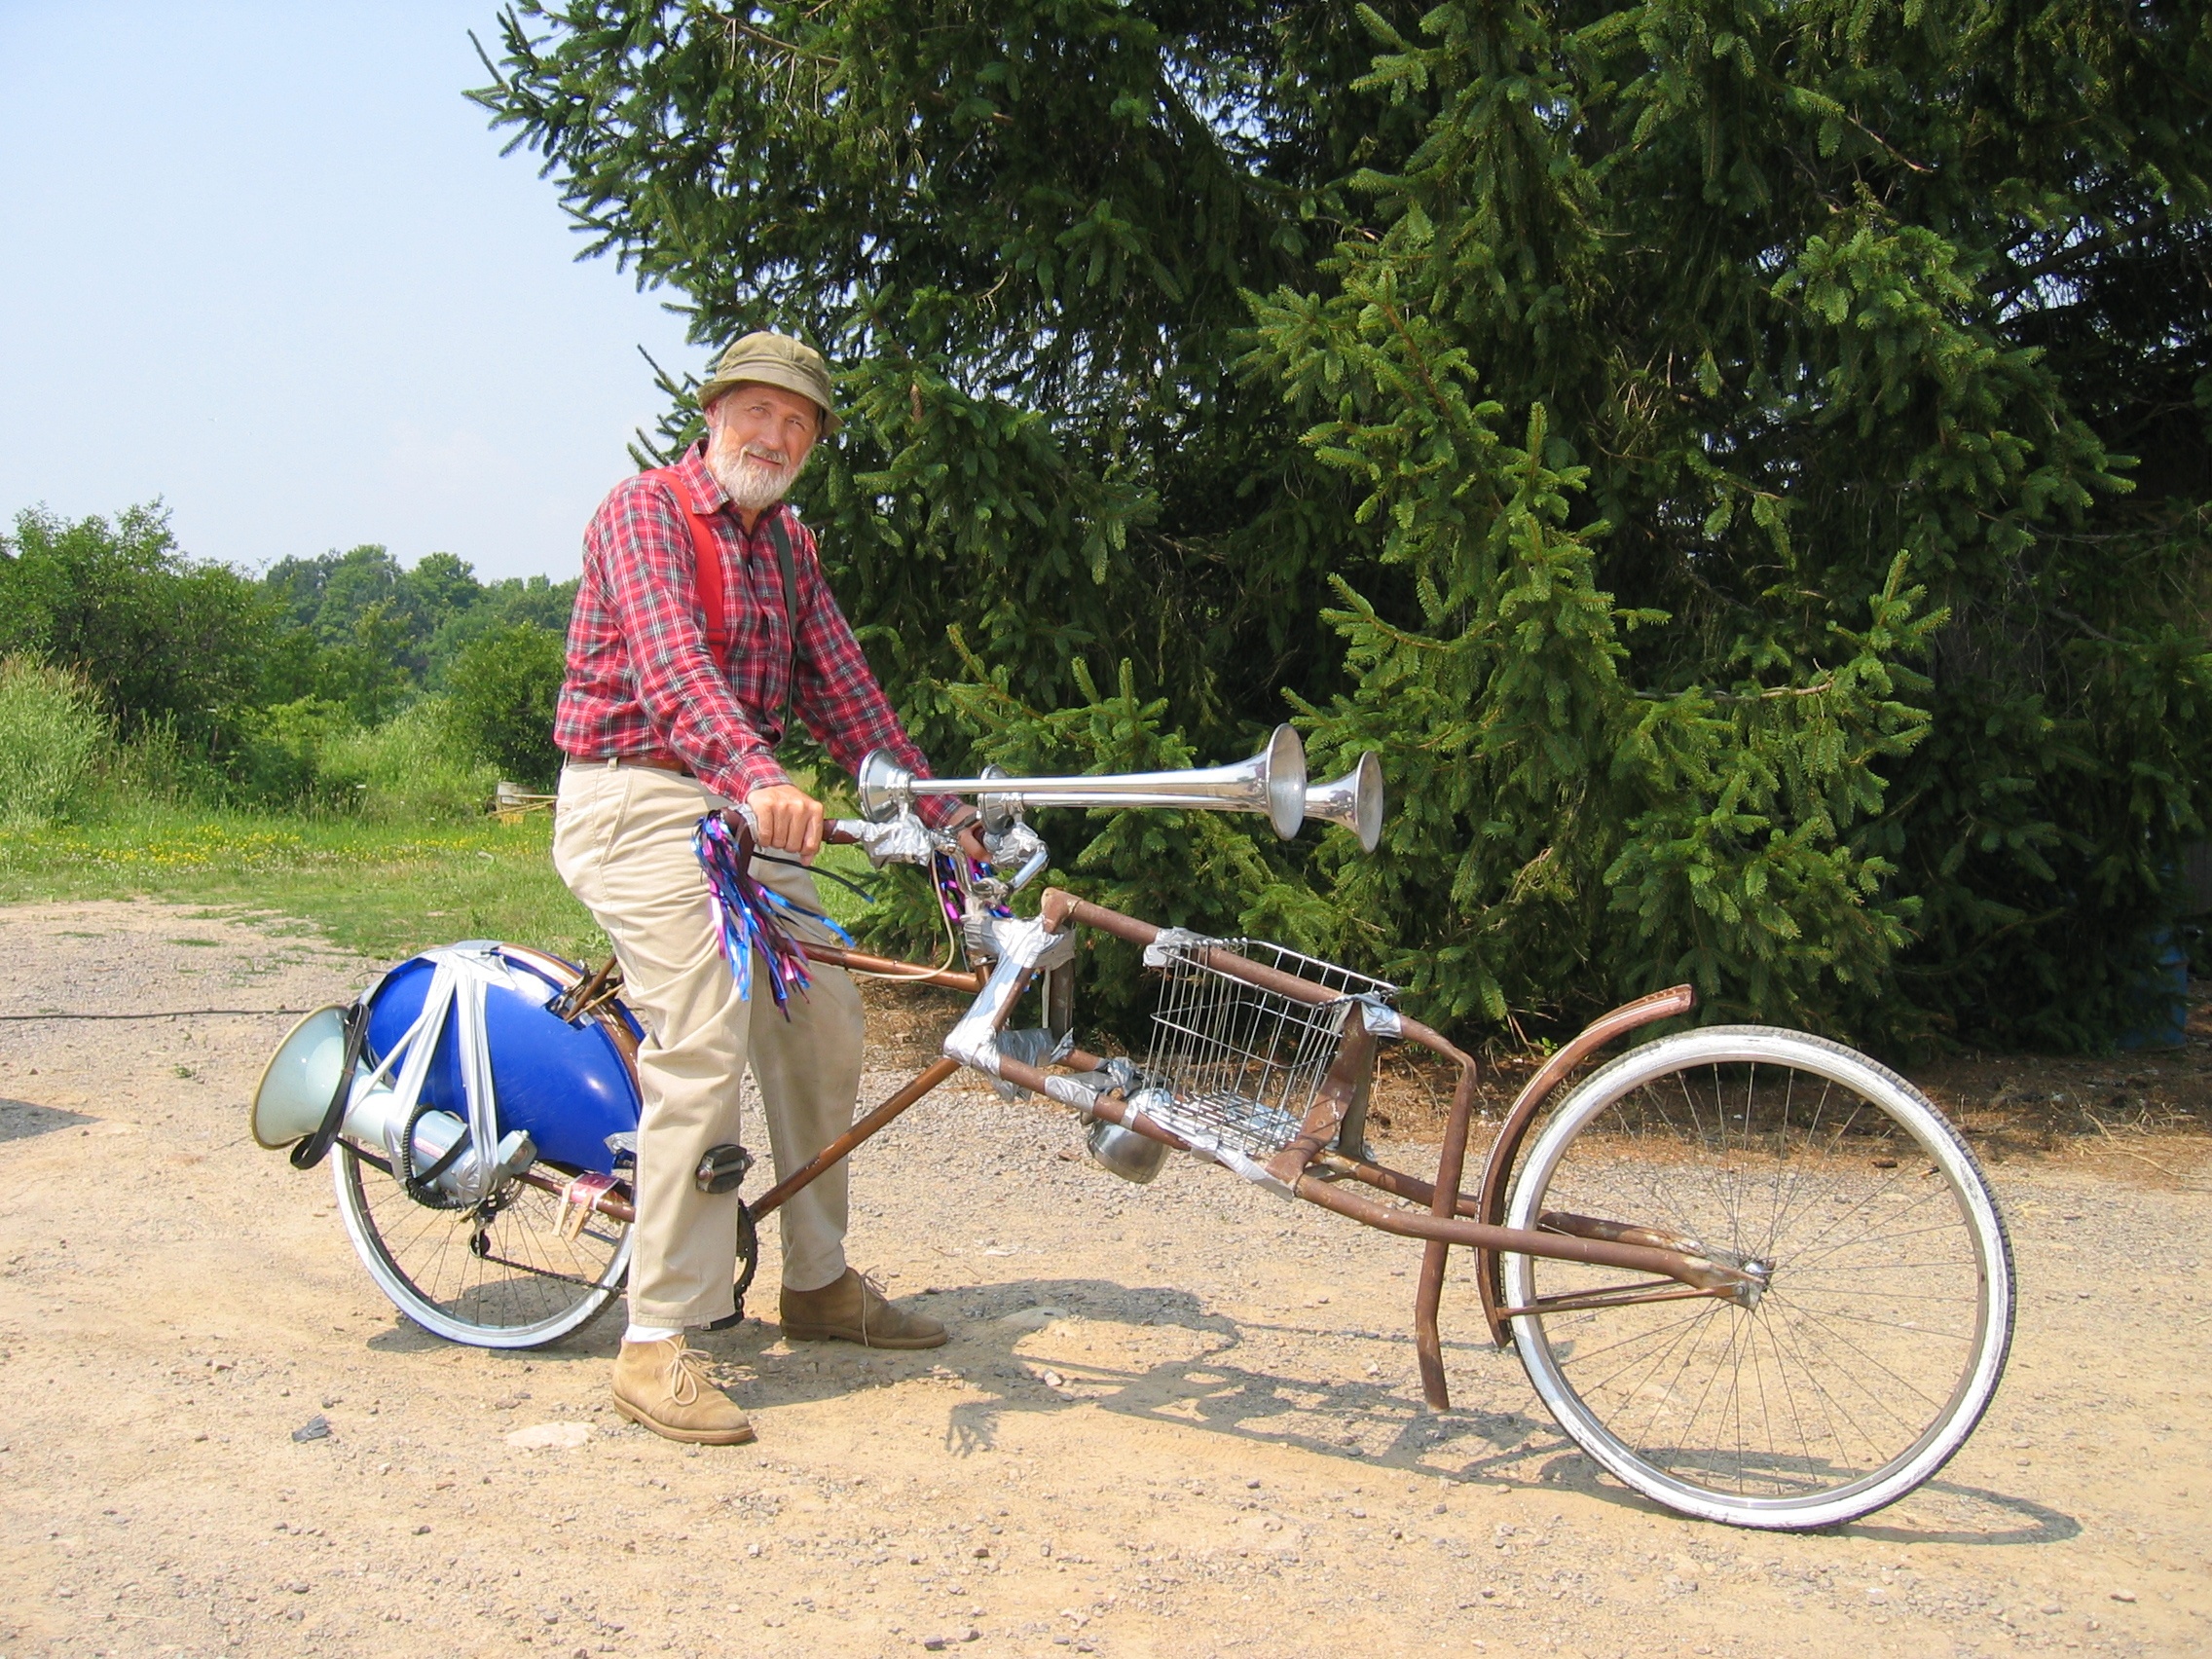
pixel 1353 800
pixel 1272 782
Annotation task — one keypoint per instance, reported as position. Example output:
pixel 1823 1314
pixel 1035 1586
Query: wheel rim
pixel 519 1281
pixel 1878 1342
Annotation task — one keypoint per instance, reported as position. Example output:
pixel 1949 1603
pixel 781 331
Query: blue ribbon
pixel 746 916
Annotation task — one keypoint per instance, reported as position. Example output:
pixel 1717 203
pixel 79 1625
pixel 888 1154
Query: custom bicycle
pixel 1752 1273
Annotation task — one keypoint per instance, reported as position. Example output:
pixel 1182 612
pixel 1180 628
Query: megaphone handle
pixel 316 1147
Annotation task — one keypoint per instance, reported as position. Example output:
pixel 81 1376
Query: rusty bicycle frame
pixel 1308 1167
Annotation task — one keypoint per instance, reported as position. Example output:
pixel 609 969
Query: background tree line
pixel 1744 464
pixel 262 689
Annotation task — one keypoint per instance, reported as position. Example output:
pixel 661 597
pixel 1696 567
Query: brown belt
pixel 658 762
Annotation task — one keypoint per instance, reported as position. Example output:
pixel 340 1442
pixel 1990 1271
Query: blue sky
pixel 266 263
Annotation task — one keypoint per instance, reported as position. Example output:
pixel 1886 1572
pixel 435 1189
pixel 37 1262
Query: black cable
pixel 852 887
pixel 165 1014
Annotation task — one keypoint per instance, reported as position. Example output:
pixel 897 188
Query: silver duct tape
pixel 1074 1091
pixel 1023 946
pixel 1016 846
pixel 905 840
pixel 1228 1158
pixel 1382 1020
pixel 1172 944
pixel 1032 1047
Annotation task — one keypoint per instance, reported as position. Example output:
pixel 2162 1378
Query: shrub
pixel 413 767
pixel 50 732
pixel 155 764
pixel 278 759
pixel 503 686
pixel 154 632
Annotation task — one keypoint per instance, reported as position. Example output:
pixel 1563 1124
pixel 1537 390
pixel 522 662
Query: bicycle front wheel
pixel 1887 1310
pixel 505 1274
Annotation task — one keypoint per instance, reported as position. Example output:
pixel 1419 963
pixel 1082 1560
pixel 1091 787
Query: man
pixel 669 712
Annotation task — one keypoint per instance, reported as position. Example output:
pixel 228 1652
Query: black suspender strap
pixel 781 539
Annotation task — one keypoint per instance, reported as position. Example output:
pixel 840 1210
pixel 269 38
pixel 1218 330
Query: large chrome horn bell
pixel 1272 783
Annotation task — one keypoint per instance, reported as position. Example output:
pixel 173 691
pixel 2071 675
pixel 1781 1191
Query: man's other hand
pixel 967 828
pixel 790 819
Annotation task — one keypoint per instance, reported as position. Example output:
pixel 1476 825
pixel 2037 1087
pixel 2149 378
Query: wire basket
pixel 1233 1066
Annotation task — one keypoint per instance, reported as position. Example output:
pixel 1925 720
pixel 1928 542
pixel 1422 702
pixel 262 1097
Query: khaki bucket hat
pixel 774 360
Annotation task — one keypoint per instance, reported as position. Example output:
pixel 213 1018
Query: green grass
pixel 387 890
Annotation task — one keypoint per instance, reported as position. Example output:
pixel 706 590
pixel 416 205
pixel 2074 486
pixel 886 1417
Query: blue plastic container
pixel 567 1084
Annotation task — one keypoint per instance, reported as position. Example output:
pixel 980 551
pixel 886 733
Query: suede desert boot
pixel 852 1309
pixel 663 1387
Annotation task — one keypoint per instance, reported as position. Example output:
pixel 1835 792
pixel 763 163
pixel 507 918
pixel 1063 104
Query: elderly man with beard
pixel 701 626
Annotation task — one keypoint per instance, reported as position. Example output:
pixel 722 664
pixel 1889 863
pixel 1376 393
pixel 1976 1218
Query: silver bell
pixel 1130 1156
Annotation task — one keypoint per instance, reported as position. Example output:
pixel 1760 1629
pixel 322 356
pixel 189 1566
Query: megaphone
pixel 301 1077
pixel 1353 800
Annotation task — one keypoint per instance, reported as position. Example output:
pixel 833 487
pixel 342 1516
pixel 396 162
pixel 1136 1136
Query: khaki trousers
pixel 622 842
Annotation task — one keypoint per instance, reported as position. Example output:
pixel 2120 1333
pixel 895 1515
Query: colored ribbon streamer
pixel 746 913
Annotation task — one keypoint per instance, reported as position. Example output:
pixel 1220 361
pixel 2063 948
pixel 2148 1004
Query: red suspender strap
pixel 707 557
pixel 713 602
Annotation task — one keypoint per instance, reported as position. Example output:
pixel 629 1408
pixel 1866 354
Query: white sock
pixel 649 1334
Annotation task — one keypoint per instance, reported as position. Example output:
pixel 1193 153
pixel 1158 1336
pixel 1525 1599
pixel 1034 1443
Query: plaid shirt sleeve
pixel 837 695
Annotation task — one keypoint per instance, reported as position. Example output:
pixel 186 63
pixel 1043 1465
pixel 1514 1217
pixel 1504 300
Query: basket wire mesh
pixel 1234 1066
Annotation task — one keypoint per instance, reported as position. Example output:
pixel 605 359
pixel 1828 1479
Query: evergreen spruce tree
pixel 1744 464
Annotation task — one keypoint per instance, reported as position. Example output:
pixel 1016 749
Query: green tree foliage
pixel 338 682
pixel 1744 464
pixel 159 638
pixel 1026 231
pixel 503 685
pixel 370 634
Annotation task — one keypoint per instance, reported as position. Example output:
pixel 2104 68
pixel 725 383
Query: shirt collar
pixel 699 483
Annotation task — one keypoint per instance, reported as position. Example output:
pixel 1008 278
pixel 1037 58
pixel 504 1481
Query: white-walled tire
pixel 1880 1338
pixel 513 1280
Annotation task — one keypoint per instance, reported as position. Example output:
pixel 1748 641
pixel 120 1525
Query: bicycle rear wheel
pixel 1887 1313
pixel 502 1274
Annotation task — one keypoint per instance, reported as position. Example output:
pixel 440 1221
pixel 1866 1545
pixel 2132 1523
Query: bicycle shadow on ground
pixel 1012 1340
pixel 2039 1523
pixel 1010 1344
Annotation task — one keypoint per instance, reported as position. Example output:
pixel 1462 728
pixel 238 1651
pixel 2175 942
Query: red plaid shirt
pixel 642 680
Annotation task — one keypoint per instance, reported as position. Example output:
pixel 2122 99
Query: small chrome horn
pixel 1272 782
pixel 1353 800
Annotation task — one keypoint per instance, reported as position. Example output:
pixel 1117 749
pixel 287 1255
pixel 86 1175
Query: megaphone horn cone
pixel 302 1075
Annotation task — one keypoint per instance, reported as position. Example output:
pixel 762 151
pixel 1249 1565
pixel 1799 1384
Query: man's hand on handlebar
pixel 788 820
pixel 967 827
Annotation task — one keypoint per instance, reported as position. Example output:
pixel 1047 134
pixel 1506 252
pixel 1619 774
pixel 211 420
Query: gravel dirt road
pixel 1180 1420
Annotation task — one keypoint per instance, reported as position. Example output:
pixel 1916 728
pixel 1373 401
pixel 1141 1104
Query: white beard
pixel 752 483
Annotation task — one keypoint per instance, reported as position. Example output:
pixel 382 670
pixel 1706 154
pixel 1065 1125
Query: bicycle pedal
pixel 723 1169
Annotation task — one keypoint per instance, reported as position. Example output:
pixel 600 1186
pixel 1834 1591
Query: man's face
pixel 758 437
